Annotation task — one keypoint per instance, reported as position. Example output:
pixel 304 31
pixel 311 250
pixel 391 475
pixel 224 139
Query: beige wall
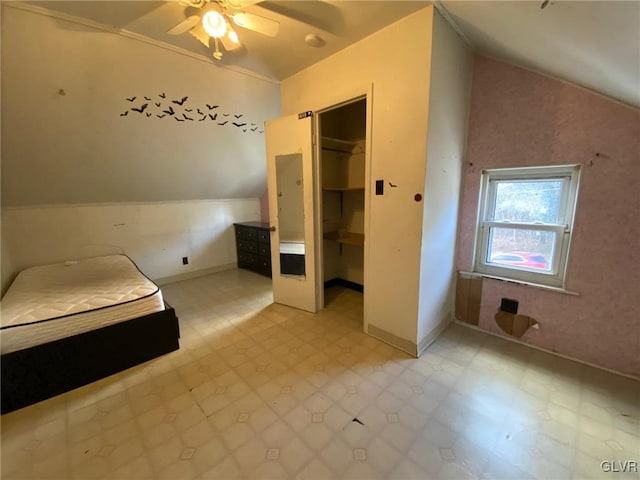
pixel 396 60
pixel 155 235
pixel 76 148
pixel 449 99
pixel 6 264
pixel 76 174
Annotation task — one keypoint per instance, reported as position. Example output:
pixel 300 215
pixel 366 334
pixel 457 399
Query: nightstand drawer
pixel 264 236
pixel 264 263
pixel 246 246
pixel 246 233
pixel 264 250
pixel 247 260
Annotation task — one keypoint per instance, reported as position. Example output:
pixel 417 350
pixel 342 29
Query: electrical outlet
pixel 185 260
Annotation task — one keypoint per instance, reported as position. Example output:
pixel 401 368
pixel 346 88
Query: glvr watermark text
pixel 619 466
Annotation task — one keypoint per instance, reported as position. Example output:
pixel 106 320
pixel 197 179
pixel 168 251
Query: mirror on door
pixel 290 213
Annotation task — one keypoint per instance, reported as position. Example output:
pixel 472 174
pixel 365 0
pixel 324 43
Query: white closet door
pixel 291 194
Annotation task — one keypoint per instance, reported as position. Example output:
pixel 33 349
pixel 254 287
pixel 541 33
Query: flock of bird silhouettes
pixel 189 114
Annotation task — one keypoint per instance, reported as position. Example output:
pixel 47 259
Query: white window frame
pixel 556 277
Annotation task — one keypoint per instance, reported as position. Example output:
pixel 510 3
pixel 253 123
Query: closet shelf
pixel 342 189
pixel 338 145
pixel 356 239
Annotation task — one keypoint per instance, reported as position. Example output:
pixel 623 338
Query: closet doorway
pixel 342 200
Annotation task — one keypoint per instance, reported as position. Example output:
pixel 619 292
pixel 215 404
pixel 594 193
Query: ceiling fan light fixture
pixel 240 19
pixel 233 36
pixel 217 54
pixel 214 24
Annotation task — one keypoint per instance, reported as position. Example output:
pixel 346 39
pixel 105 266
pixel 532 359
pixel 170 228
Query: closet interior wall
pixel 343 192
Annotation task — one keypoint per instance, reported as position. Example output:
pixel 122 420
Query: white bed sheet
pixel 51 302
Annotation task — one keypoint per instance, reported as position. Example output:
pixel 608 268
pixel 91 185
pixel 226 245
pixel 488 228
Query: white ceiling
pixel 594 44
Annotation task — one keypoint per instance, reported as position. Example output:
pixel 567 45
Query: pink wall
pixel 519 118
pixel 264 207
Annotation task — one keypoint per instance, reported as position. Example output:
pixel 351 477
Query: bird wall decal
pixel 169 111
pixel 141 108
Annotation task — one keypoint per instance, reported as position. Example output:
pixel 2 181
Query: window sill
pixel 520 282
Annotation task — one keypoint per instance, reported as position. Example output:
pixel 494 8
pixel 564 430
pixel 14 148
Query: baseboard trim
pixel 433 334
pixel 397 342
pixel 341 282
pixel 195 274
pixel 566 357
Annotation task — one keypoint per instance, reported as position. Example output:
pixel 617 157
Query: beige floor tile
pixel 259 390
pixel 338 455
pixel 315 470
pixel 269 471
pixel 250 455
pixel 278 434
pixel 140 468
pixel 208 455
pixel 294 455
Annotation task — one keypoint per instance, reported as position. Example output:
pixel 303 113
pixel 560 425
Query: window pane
pixel 521 249
pixel 528 201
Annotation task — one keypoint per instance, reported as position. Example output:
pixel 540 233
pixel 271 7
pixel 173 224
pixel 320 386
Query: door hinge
pixel 306 114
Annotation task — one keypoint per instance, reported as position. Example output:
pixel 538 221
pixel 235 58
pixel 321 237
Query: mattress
pixel 51 302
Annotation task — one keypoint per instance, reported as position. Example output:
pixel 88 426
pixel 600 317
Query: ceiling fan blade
pixel 192 3
pixel 238 4
pixel 254 22
pixel 185 25
pixel 199 33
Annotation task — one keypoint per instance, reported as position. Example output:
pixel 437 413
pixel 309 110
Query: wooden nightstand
pixel 253 244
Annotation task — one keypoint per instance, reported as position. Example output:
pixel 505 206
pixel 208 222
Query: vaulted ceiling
pixel 595 44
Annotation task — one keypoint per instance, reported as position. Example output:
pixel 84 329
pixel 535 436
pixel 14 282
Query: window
pixel 525 220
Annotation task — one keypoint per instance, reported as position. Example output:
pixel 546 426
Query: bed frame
pixel 44 371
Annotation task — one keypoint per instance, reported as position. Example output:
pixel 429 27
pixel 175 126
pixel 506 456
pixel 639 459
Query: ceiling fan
pixel 216 20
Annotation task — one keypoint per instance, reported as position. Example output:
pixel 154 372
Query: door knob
pixel 272 229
